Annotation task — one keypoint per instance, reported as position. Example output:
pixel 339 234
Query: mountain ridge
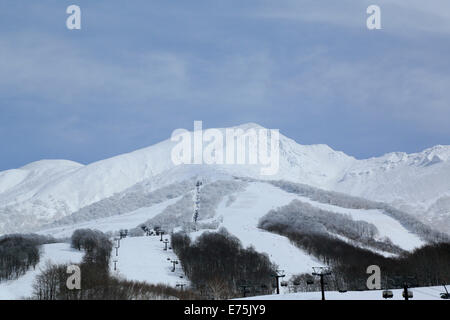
pixel 48 190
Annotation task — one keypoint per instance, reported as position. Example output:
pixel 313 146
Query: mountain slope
pixel 418 183
pixel 47 191
pixel 238 206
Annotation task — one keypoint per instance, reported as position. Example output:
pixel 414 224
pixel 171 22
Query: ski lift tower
pixel 196 203
pixel 321 272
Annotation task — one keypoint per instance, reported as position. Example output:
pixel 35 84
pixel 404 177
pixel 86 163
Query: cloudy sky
pixel 137 70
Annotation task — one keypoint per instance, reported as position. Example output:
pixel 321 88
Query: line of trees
pixel 18 253
pixel 302 218
pixel 95 243
pixel 428 265
pixel 96 284
pixel 220 268
pixel 412 224
pixel 138 196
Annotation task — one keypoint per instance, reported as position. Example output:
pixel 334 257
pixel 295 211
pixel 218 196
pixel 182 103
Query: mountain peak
pixel 249 125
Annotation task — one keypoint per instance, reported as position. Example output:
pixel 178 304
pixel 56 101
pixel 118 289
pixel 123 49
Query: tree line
pixel 425 266
pixel 412 224
pixel 18 253
pixel 220 268
pixel 303 218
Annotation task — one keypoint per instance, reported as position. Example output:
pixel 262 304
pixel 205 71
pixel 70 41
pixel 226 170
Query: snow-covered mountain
pixel 239 206
pixel 50 190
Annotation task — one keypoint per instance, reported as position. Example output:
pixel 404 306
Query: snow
pixel 20 184
pixel 421 293
pixel 11 178
pixel 57 253
pixel 114 223
pixel 144 259
pixel 387 226
pixel 140 258
pixel 47 190
pixel 241 218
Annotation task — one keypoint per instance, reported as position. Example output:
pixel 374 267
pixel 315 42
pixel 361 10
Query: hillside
pixel 46 191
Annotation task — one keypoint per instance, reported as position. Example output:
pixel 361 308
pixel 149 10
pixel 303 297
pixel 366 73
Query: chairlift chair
pixel 409 292
pixel 388 294
pixel 445 295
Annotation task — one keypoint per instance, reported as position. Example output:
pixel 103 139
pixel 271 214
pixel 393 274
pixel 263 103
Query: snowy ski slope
pixel 241 218
pixel 144 259
pixel 387 226
pixel 48 190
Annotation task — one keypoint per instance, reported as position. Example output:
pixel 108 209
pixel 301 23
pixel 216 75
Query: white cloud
pixel 51 68
pixel 405 92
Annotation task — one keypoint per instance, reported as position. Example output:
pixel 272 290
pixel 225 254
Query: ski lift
pixel 388 294
pixel 342 289
pixel 409 292
pixel 284 283
pixel 309 282
pixel 296 282
pixel 445 295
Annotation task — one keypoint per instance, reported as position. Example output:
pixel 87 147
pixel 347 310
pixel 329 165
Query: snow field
pixel 143 259
pixel 387 226
pixel 241 218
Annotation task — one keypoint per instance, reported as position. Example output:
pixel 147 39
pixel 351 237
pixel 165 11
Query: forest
pixel 220 268
pixel 425 266
pixel 18 253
